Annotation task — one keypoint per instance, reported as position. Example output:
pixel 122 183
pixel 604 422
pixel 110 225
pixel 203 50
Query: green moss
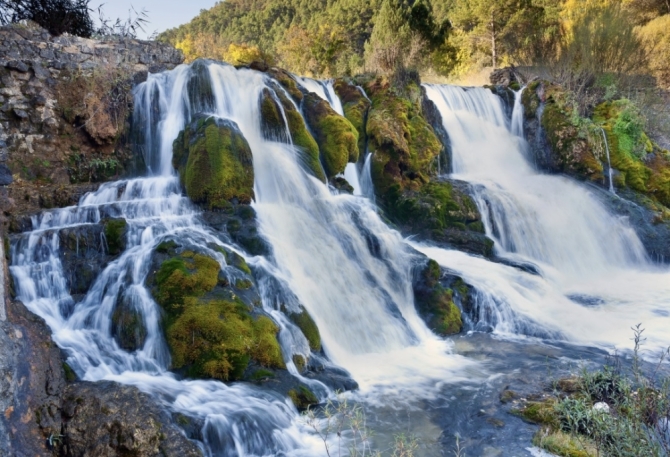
pixel 217 339
pixel 243 284
pixel 70 375
pixel 432 273
pixel 355 107
pixel 404 144
pixel 215 163
pixel 530 100
pixel 628 144
pixel 237 261
pixel 182 277
pixel 432 207
pixel 564 445
pixel 274 128
pixel 299 362
pixel 115 235
pixel 336 136
pixel 539 412
pixel 308 327
pixel 302 397
pixel 166 247
pixel 261 375
pixel 572 153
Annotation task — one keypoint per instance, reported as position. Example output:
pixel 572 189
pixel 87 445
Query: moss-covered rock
pixel 211 337
pixel 308 327
pixel 302 398
pixel 214 162
pixel 273 127
pixel 336 136
pixel 115 235
pixel 356 107
pixel 436 303
pixel 572 153
pixel 288 83
pixel 641 165
pixel 405 146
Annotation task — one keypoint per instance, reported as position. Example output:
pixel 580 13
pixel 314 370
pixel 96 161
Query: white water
pixel 584 254
pixel 609 163
pixel 332 254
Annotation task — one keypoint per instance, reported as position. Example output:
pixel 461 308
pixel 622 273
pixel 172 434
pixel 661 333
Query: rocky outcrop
pixel 108 420
pixel 64 105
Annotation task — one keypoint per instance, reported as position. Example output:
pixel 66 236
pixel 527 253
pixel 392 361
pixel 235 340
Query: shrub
pixel 57 16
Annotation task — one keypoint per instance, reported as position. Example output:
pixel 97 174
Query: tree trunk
pixel 494 56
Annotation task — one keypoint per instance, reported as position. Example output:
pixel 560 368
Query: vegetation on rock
pixel 211 338
pixel 435 303
pixel 115 235
pixel 214 163
pixel 336 136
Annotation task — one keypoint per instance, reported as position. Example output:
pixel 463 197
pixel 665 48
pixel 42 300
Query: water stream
pixel 333 255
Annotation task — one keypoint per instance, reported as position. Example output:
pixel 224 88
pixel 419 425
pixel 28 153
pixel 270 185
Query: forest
pixel 440 38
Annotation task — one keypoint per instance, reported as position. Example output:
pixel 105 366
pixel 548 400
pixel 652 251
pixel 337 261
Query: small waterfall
pixel 609 163
pixel 517 114
pixel 595 280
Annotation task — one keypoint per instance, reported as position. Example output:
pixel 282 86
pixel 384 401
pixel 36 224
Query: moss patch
pixel 308 327
pixel 563 444
pixel 436 303
pixel 404 144
pixel 336 136
pixel 356 108
pixel 211 338
pixel 273 127
pixel 115 235
pixel 572 153
pixel 214 162
pixel 302 398
pixel 642 165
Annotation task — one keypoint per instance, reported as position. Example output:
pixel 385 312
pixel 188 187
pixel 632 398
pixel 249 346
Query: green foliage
pixel 215 163
pixel 70 375
pixel 189 275
pixel 115 232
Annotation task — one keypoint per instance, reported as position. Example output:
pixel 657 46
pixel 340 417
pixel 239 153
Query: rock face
pixel 64 106
pixel 214 162
pixel 640 168
pixel 109 420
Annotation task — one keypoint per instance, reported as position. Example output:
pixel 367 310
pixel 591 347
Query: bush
pixel 57 16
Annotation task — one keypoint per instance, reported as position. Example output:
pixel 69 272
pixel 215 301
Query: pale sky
pixel 163 14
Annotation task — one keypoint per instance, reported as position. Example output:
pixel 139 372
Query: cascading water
pixel 609 163
pixel 596 281
pixel 332 252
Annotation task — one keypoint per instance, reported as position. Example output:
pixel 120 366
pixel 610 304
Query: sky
pixel 163 14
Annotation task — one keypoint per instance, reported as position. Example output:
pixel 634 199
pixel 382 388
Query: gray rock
pixel 106 419
pixel 5 176
pixel 18 66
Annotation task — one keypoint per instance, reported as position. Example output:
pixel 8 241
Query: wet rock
pixel 108 420
pixel 83 254
pixel 128 327
pixel 434 302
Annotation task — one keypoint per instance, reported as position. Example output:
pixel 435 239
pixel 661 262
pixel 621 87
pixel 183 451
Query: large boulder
pixel 434 302
pixel 107 419
pixel 213 324
pixel 214 162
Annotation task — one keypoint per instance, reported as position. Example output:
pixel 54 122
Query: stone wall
pixel 57 128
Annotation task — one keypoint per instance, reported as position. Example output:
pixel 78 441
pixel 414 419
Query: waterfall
pixel 595 279
pixel 609 163
pixel 332 253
